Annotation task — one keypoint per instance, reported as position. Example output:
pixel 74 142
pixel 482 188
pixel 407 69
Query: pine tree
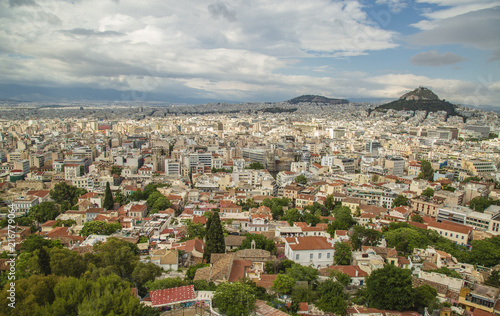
pixel 215 237
pixel 108 198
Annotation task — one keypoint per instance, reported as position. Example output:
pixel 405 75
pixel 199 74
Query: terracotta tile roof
pixel 266 280
pixel 88 195
pixel 49 223
pixel 454 227
pixel 172 295
pixel 199 219
pixel 308 243
pixel 39 193
pixel 352 271
pixel 238 269
pixel 234 240
pixel 195 244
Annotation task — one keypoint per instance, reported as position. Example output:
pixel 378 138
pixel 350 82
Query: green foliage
pixel 341 277
pixel 417 218
pixel 469 179
pixel 426 171
pixel 158 202
pixel 405 239
pixel 448 187
pixel 65 262
pixel 34 242
pixel 44 211
pixel 108 203
pixel 21 221
pixel 143 239
pixel 215 237
pixel 166 283
pixel 425 296
pixel 301 179
pixel 276 205
pixel 32 295
pixel 144 273
pixel 43 260
pixel 261 242
pixel 390 288
pixel 66 195
pixel 343 220
pixel 493 279
pixel 448 272
pixel 479 203
pixel 116 170
pixel 190 273
pixel 343 253
pixel 364 237
pixel 118 255
pixel 292 215
pixel 278 266
pixel 99 228
pixel 329 203
pixel 283 284
pixel 303 293
pixel 235 299
pixel 429 192
pixel 400 200
pixel 256 165
pixel 332 298
pixel 196 230
pixel 302 273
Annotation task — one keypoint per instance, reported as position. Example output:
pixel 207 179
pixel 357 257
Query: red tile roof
pixel 172 295
pixel 308 243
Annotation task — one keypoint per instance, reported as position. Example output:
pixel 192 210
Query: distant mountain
pixel 316 99
pixel 420 99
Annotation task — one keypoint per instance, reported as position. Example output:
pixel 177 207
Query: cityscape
pixel 309 206
pixel 250 158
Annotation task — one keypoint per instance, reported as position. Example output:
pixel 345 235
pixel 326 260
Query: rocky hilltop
pixel 420 99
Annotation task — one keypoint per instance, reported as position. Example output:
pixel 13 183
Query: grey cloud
pixel 434 58
pixel 475 29
pixel 20 3
pixel 220 10
pixel 88 32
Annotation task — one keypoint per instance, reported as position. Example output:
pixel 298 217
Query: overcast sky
pixel 258 50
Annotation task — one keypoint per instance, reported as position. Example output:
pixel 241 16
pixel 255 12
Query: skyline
pixel 262 51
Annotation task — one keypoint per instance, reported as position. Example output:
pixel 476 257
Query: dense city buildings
pixel 309 183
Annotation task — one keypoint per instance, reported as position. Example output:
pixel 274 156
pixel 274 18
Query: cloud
pixel 466 23
pixel 20 3
pixel 434 58
pixel 396 6
pixel 218 10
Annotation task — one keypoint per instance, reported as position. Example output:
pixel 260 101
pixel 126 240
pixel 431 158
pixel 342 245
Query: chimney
pixel 296 240
pixel 357 272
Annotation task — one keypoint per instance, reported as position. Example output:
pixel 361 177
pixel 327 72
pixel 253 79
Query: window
pixel 311 256
pixel 446 233
pixel 462 237
pixel 319 255
pixel 297 257
pixel 328 255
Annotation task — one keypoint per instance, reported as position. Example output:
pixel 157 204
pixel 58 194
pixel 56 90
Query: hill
pixel 420 99
pixel 316 99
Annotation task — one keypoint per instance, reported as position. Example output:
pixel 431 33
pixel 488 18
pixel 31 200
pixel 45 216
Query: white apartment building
pixel 310 251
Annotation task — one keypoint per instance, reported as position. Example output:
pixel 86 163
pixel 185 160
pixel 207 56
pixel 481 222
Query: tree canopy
pixel 235 298
pixel 99 228
pixel 390 288
pixel 108 203
pixel 400 200
pixel 426 171
pixel 261 242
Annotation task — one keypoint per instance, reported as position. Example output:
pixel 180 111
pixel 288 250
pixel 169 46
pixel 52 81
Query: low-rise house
pixel 165 259
pixel 481 297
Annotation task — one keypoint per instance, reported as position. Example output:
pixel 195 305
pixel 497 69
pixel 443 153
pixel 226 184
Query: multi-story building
pixel 310 251
pixel 395 165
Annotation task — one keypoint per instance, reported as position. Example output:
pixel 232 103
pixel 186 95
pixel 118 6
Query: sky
pixel 259 50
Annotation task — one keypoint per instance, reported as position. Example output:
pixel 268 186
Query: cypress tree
pixel 44 261
pixel 215 237
pixel 108 198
